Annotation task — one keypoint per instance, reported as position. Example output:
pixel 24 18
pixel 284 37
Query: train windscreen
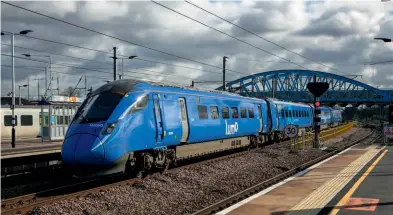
pixel 97 108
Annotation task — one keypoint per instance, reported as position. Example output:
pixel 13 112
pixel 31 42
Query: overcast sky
pixel 338 34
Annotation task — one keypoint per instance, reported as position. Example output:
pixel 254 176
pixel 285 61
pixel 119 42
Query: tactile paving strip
pixel 315 201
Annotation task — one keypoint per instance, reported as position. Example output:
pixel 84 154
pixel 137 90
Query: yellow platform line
pixel 356 185
pixel 315 201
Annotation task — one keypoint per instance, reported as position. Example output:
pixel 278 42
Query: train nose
pixel 83 149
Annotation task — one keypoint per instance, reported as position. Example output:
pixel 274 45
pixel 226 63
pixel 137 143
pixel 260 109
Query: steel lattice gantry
pixel 291 85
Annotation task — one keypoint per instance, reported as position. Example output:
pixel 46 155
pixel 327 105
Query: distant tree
pixel 69 91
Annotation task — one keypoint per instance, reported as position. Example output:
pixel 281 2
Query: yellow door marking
pixel 345 199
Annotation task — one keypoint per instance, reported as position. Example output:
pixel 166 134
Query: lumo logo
pixel 231 129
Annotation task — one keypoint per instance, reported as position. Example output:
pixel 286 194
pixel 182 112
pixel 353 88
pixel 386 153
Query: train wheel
pixel 144 163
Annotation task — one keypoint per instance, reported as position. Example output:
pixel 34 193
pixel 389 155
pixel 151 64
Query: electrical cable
pixel 228 35
pixel 138 58
pixel 259 36
pixel 110 36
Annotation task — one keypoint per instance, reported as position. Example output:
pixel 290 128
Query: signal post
pixel 317 89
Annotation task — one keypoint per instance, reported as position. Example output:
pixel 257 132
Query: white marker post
pixel 388 133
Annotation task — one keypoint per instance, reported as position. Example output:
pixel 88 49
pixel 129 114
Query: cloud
pixel 338 34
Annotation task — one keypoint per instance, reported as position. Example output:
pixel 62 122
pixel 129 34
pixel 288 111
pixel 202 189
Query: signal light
pixel 317 104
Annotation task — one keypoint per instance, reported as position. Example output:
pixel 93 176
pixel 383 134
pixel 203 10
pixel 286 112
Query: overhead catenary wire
pixel 79 58
pixel 113 37
pixel 100 62
pixel 233 37
pixel 80 79
pixel 138 58
pixel 260 36
pixel 85 68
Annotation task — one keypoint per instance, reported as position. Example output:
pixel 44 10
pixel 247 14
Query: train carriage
pixel 134 124
pixel 27 123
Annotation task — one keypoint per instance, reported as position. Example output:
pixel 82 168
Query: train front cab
pixel 90 147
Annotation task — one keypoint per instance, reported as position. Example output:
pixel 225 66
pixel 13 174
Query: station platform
pixel 29 147
pixel 355 181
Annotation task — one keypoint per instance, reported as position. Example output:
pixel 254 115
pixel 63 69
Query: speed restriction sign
pixel 290 131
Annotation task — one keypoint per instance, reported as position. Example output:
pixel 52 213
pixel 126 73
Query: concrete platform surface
pixel 327 187
pixel 27 147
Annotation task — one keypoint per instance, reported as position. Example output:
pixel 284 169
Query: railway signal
pixel 317 119
pixel 317 89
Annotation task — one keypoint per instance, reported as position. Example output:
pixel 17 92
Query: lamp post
pixel 20 100
pixel 386 40
pixel 46 75
pixel 38 87
pixel 122 64
pixel 24 32
pixel 224 59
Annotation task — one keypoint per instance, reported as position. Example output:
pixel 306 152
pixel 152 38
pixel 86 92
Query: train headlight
pixel 108 128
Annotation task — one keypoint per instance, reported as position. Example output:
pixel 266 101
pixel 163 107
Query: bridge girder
pixel 291 85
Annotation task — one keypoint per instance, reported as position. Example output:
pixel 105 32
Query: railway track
pixel 221 205
pixel 28 202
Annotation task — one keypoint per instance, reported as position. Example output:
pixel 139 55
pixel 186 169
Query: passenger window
pixel 235 114
pixel 251 112
pixel 243 113
pixel 282 113
pixel 139 105
pixel 67 120
pixel 290 113
pixel 286 113
pixel 59 120
pixel 214 112
pixel 202 112
pixel 225 113
pixel 8 120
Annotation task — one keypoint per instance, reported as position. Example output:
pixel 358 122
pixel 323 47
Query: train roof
pixel 289 103
pixel 125 85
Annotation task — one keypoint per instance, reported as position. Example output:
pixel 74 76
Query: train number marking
pixel 96 125
pixel 236 142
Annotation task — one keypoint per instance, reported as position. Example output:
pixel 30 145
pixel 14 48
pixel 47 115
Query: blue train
pixel 129 124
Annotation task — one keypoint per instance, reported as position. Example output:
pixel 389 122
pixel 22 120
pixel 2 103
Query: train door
pixel 184 120
pixel 277 117
pixel 260 118
pixel 158 117
pixel 44 125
